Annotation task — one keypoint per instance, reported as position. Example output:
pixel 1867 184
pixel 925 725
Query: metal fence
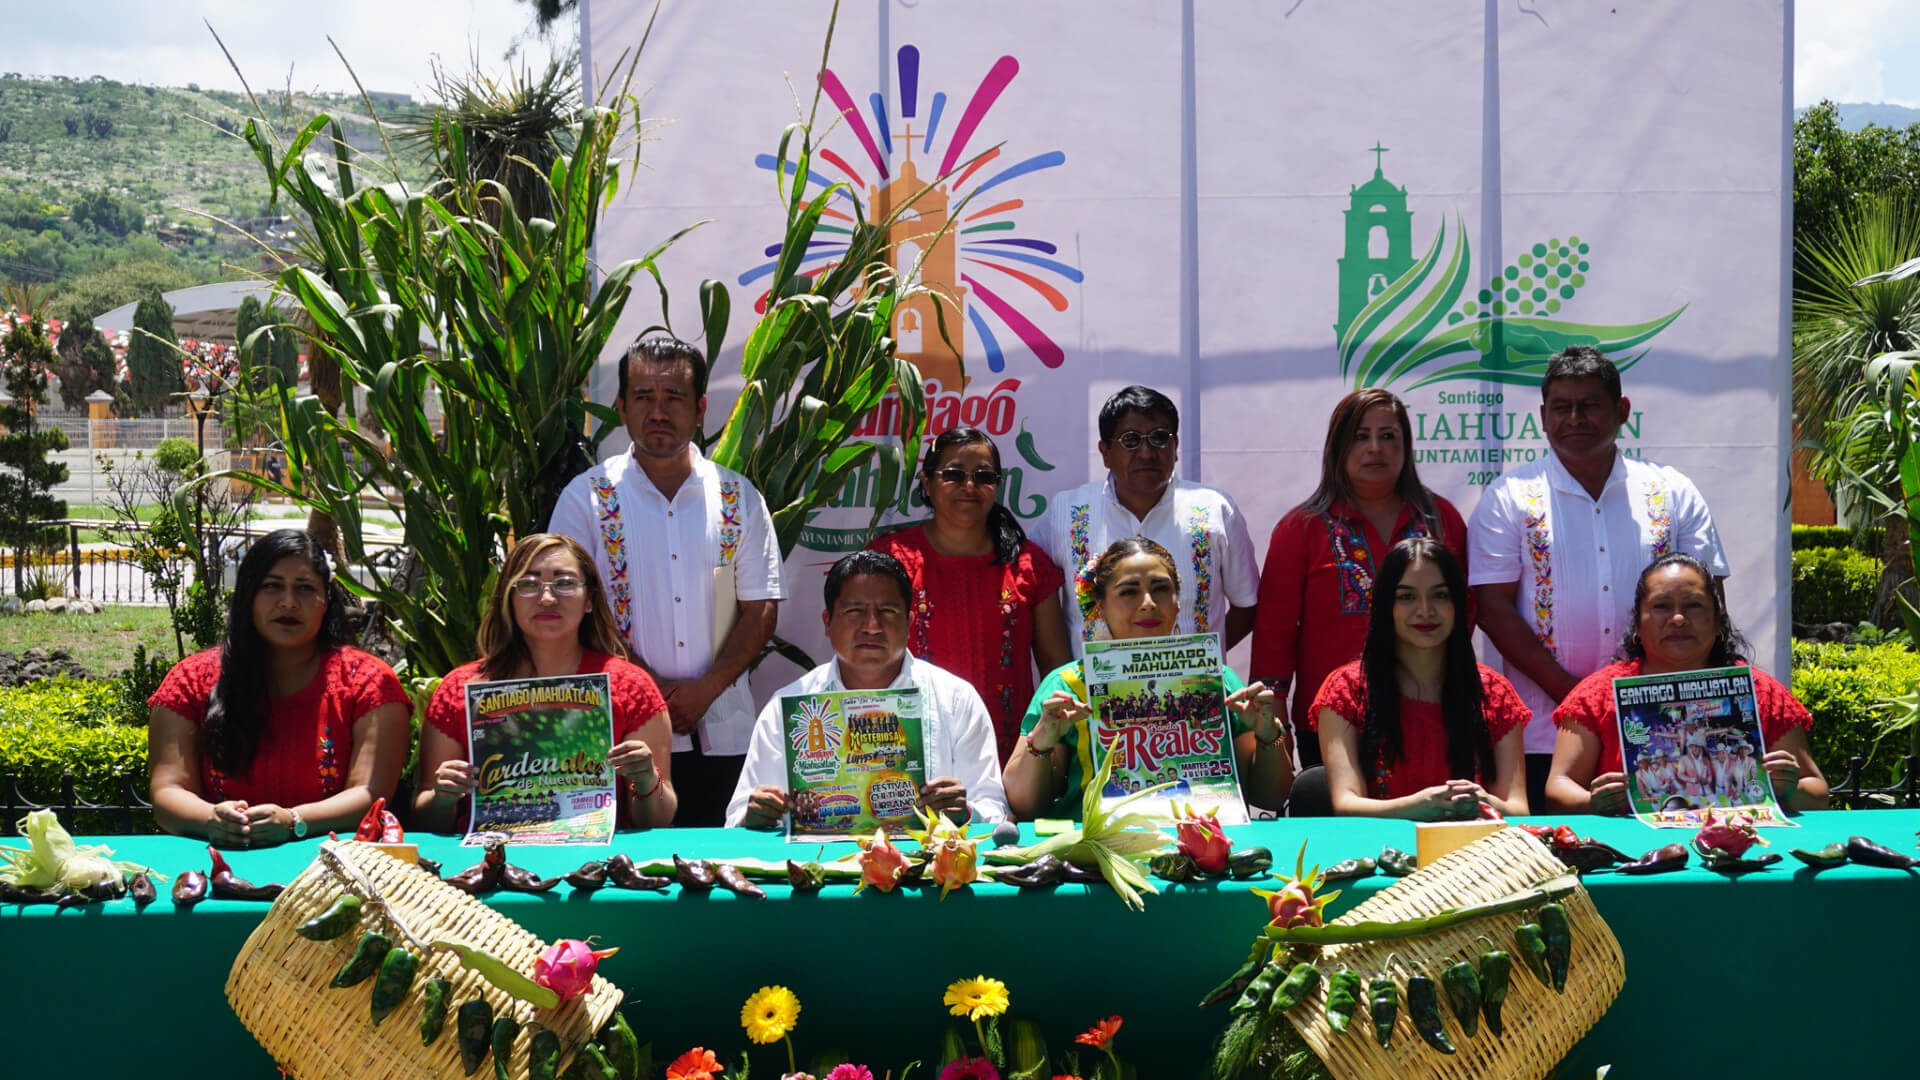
pixel 127 814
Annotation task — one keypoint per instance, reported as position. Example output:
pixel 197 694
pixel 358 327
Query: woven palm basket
pixel 278 984
pixel 1541 1026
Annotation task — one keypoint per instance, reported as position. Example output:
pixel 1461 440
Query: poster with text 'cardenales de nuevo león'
pixel 1690 741
pixel 540 760
pixel 1159 704
pixel 856 761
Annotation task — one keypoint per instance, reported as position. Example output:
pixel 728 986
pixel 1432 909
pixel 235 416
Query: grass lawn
pixel 103 643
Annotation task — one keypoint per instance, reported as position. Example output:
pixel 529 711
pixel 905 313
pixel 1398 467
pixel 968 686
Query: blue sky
pixel 1847 50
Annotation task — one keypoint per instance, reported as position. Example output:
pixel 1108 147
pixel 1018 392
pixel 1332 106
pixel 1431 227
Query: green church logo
pixel 1420 321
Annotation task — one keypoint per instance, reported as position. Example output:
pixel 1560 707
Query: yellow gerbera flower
pixel 977 997
pixel 769 1014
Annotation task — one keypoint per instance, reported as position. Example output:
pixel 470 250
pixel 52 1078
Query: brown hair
pixel 1333 457
pixel 503 650
pixel 1119 551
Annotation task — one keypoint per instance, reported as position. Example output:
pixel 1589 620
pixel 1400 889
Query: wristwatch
pixel 299 824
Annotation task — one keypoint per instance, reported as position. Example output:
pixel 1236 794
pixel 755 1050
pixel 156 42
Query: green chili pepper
pixel 623 1047
pixel 1423 1008
pixel 1557 932
pixel 1295 988
pixel 331 923
pixel 433 1009
pixel 1383 1004
pixel 1834 854
pixel 1249 862
pixel 1173 866
pixel 1346 869
pixel 1343 997
pixel 1255 995
pixel 1238 981
pixel 1462 987
pixel 473 1026
pixel 543 1055
pixel 1531 943
pixel 1397 863
pixel 365 960
pixel 1496 976
pixel 396 978
pixel 497 972
pixel 505 1030
pixel 577 1068
pixel 598 1067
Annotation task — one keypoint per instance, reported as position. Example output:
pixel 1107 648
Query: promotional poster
pixel 1158 704
pixel 540 758
pixel 1690 742
pixel 856 761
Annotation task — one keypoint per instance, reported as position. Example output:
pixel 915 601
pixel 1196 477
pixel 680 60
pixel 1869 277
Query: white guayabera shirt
pixel 658 559
pixel 956 732
pixel 1578 558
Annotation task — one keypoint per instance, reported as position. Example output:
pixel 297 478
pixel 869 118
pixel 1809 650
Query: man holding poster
pixel 867 614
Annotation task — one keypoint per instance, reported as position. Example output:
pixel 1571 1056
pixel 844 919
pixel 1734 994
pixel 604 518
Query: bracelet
pixel 1279 735
pixel 657 781
pixel 1038 751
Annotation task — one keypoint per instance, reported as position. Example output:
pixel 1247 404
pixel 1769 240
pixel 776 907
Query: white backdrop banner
pixel 1256 208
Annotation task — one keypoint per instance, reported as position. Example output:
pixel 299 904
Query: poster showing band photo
pixel 856 761
pixel 1159 704
pixel 540 760
pixel 1690 741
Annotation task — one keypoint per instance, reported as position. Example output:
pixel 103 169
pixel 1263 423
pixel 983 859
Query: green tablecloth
pixel 1768 975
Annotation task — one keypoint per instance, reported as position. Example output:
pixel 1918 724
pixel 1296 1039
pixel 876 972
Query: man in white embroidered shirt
pixel 1140 496
pixel 690 563
pixel 1556 546
pixel 867 618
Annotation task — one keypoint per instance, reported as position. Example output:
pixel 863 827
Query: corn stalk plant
pixel 447 295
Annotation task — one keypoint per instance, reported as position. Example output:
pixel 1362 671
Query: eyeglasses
pixel 1158 438
pixel 530 588
pixel 954 474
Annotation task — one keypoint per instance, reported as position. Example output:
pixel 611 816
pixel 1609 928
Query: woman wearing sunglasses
pixel 544 621
pixel 986 600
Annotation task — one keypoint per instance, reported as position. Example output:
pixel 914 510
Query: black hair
pixel 867 561
pixel 1729 646
pixel 1341 426
pixel 662 349
pixel 1002 525
pixel 1582 362
pixel 237 708
pixel 1140 399
pixel 1469 744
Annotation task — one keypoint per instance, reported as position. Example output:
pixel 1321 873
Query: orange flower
pixel 1101 1034
pixel 696 1064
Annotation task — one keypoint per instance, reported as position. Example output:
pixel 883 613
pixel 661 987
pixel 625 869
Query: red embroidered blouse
pixel 1423 735
pixel 307 743
pixel 1590 705
pixel 1315 588
pixel 975 619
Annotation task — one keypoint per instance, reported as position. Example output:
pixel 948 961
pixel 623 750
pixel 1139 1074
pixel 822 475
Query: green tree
pixel 27 476
pixel 113 214
pixel 1835 169
pixel 94 294
pixel 153 358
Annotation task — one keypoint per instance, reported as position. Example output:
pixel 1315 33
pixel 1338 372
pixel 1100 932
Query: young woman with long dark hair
pixel 283 730
pixel 1416 728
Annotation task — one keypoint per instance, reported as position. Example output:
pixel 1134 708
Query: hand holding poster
pixel 856 761
pixel 1690 741
pixel 1159 704
pixel 540 760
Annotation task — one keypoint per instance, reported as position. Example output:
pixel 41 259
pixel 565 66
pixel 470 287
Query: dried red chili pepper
pixel 228 886
pixel 380 826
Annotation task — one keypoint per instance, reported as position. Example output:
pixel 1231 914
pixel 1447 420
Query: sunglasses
pixel 530 588
pixel 955 475
pixel 1158 438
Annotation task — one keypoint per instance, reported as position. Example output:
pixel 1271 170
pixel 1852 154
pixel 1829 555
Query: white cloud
pixel 1845 50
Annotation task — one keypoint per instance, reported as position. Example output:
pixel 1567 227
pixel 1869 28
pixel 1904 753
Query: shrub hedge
pixel 1835 536
pixel 1844 686
pixel 59 725
pixel 1833 585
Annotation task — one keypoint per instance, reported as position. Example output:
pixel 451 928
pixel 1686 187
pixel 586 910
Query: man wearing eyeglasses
pixel 690 564
pixel 1141 496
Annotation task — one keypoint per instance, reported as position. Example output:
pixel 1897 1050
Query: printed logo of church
pixel 965 238
pixel 1409 322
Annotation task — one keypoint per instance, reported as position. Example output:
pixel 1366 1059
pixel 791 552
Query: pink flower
pixel 969 1069
pixel 1201 837
pixel 881 864
pixel 566 967
pixel 849 1071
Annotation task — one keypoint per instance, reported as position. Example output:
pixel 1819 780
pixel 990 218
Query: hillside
pixel 1855 115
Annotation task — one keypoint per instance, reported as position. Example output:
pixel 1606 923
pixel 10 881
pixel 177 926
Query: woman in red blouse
pixel 986 600
pixel 1323 555
pixel 1446 738
pixel 282 729
pixel 1680 623
pixel 542 622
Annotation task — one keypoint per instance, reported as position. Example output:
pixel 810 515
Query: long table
pixel 1770 974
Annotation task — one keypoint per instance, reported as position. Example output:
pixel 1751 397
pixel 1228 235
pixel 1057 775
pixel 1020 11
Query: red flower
pixel 1101 1034
pixel 696 1064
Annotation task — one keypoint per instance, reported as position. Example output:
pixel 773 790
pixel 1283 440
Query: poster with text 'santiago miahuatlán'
pixel 1159 704
pixel 856 761
pixel 540 755
pixel 1690 741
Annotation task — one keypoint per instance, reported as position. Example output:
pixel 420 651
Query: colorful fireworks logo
pixel 818 728
pixel 978 259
